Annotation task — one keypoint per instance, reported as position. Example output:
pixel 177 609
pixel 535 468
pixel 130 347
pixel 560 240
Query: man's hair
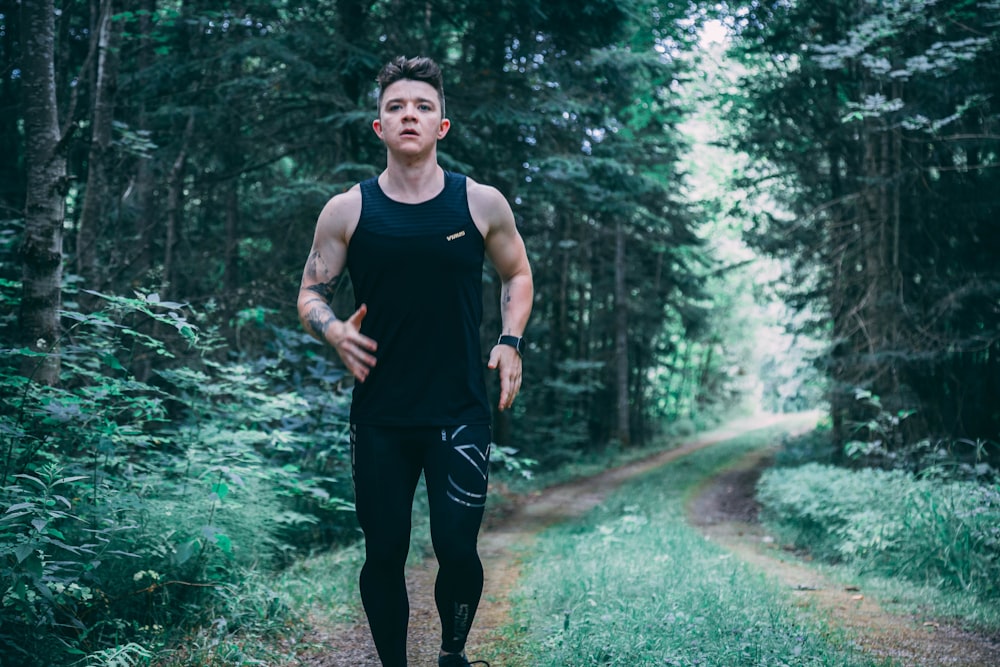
pixel 414 69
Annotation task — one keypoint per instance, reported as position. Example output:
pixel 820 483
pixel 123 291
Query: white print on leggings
pixel 461 621
pixel 479 460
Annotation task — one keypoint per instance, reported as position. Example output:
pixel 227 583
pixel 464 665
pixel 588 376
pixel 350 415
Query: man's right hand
pixel 355 349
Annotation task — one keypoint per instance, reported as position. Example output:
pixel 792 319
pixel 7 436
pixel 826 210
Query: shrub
pixel 929 531
pixel 143 493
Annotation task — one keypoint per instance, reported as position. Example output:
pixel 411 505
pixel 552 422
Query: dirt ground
pixel 724 510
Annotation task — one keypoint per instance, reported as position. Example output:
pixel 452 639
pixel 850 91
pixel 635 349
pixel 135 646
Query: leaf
pixel 22 551
pixel 67 480
pixel 186 550
pixel 112 361
pixel 20 506
pixel 33 565
pixel 221 490
pixel 224 543
pixel 9 518
pixel 65 501
pixel 31 479
pixel 42 588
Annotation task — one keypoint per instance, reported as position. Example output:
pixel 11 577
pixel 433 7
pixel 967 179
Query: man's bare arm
pixel 507 253
pixel 316 296
pixel 321 277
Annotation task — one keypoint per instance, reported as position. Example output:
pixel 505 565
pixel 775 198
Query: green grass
pixel 633 584
pixel 326 585
pixel 929 546
pixel 318 591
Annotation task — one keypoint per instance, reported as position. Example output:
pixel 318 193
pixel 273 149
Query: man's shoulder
pixel 484 195
pixel 342 210
pixel 489 208
pixel 347 197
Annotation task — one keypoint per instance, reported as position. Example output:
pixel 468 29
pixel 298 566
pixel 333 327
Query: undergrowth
pixel 892 524
pixel 919 521
pixel 150 497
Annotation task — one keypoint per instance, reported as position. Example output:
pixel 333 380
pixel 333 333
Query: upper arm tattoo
pixel 317 270
pixel 327 290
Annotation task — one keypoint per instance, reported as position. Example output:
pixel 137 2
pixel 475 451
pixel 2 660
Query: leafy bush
pixel 929 531
pixel 143 493
pixel 881 441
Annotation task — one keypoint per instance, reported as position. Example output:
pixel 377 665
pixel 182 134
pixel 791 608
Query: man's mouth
pixel 409 133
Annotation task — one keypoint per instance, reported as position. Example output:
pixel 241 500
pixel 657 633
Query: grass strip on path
pixel 631 583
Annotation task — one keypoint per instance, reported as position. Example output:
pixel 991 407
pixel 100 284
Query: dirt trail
pixel 726 512
pixel 505 537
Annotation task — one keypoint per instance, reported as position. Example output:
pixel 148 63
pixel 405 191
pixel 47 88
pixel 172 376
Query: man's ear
pixel 443 128
pixel 377 126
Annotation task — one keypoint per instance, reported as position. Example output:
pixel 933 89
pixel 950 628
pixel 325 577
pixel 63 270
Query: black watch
pixel 516 342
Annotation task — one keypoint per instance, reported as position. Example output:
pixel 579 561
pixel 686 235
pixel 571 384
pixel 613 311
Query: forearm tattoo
pixel 319 317
pixel 318 314
pixel 504 305
pixel 505 295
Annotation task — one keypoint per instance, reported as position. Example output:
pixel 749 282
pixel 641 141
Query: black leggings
pixel 387 462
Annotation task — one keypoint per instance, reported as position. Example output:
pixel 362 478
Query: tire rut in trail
pixel 726 512
pixel 502 542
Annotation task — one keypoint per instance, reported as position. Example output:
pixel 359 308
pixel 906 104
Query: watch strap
pixel 516 342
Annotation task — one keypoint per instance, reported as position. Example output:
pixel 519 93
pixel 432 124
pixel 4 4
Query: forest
pixel 802 213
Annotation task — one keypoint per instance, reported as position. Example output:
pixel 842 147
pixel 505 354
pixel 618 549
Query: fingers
pixel 358 362
pixel 355 319
pixel 508 362
pixel 355 349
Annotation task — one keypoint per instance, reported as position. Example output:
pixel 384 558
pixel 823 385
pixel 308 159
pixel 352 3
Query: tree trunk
pixel 143 211
pixel 560 342
pixel 175 195
pixel 45 205
pixel 231 251
pixel 621 339
pixel 96 194
pixel 11 175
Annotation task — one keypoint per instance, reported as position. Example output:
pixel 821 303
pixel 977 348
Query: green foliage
pixel 210 440
pixel 507 459
pixel 136 509
pixel 890 522
pixel 232 126
pixel 871 127
pixel 120 656
pixel 881 441
pixel 811 447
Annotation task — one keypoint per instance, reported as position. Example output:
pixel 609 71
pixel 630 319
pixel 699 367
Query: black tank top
pixel 419 268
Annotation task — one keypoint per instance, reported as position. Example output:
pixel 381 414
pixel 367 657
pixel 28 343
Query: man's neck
pixel 412 183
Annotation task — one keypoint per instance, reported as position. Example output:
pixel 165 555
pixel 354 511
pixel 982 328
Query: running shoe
pixel 456 660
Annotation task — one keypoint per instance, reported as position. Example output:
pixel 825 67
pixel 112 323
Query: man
pixel 413 240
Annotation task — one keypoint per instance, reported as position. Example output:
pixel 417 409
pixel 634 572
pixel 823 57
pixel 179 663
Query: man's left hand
pixel 508 361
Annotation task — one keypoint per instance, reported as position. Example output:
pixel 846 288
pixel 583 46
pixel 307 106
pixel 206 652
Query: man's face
pixel 410 117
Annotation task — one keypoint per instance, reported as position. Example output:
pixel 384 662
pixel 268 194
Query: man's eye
pixel 425 107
